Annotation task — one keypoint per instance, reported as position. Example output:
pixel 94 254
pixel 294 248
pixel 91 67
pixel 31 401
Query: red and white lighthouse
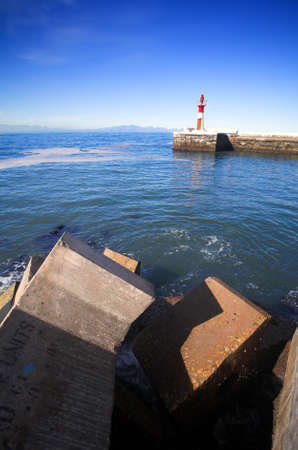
pixel 200 120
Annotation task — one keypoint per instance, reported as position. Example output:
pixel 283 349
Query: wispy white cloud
pixel 72 34
pixel 40 57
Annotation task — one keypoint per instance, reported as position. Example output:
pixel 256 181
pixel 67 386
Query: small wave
pixel 11 272
pixel 291 300
pixel 218 250
pixel 253 286
pixel 5 282
pixel 182 284
pixel 211 240
pixel 179 234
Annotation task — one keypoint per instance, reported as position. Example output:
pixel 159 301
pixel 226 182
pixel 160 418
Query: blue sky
pixel 87 63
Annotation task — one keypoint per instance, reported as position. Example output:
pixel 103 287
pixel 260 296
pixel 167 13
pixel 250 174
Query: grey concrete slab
pixel 56 388
pixel 58 350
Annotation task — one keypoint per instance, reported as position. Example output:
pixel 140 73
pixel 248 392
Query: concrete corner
pixel 32 267
pixel 125 261
pixel 206 337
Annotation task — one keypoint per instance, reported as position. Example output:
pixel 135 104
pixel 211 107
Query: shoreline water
pixel 185 215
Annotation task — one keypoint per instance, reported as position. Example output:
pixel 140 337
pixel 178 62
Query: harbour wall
pixel 216 142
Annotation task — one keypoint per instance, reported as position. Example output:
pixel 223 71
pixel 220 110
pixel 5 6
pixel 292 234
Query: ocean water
pixel 186 216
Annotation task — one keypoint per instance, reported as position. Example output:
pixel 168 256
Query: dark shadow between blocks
pixel 223 143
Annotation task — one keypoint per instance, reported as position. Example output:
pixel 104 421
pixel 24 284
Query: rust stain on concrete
pixel 125 261
pixel 202 331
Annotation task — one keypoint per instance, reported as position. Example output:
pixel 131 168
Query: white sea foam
pixel 179 234
pixel 14 274
pixel 291 300
pixel 58 155
pixel 211 240
pixel 218 250
pixel 73 155
pixel 5 282
pixel 253 286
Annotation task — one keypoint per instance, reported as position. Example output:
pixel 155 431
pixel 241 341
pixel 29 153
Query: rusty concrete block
pixel 173 300
pixel 6 300
pixel 285 435
pixel 57 350
pixel 204 338
pixel 125 261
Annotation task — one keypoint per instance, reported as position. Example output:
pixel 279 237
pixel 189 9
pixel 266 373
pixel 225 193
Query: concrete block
pixel 57 350
pixel 125 261
pixel 6 300
pixel 233 141
pixel 205 338
pixel 32 267
pixel 286 426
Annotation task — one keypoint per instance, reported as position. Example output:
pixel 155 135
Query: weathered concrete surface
pixel 286 425
pixel 16 290
pixel 57 389
pixel 239 143
pixel 190 141
pixel 270 144
pixel 31 269
pixel 125 261
pixel 6 300
pixel 206 337
pixel 57 350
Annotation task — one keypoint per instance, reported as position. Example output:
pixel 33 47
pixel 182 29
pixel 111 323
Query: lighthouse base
pixel 221 142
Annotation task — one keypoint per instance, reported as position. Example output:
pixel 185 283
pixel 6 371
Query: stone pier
pixel 216 142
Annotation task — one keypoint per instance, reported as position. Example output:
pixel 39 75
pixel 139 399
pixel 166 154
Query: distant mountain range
pixel 136 129
pixel 116 129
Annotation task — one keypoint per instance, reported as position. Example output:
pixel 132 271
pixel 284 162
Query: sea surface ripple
pixel 186 216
